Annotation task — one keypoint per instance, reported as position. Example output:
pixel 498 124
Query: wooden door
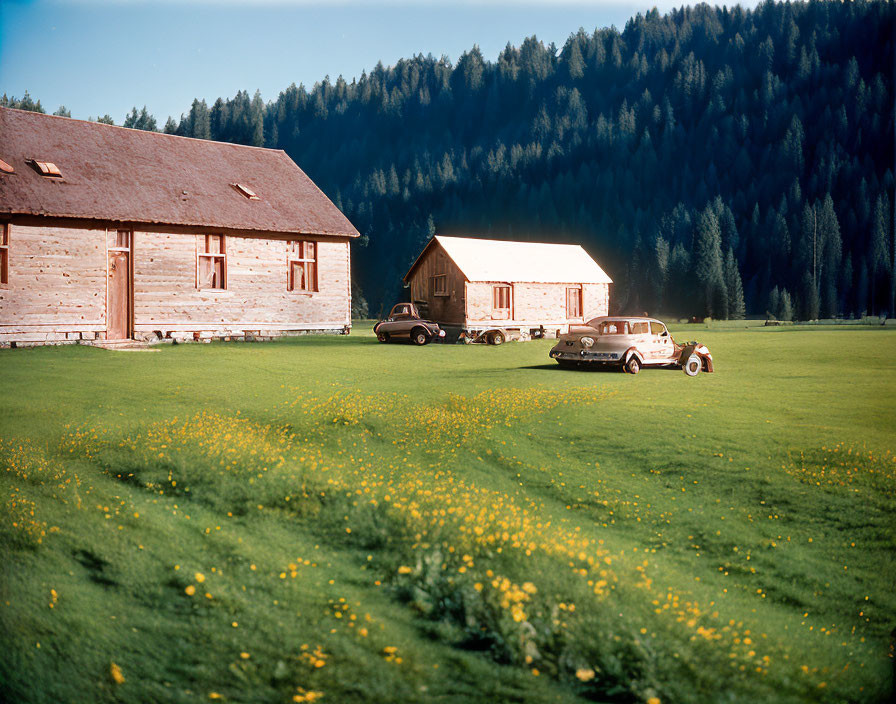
pixel 118 289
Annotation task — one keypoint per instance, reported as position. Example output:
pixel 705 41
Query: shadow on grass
pixel 572 370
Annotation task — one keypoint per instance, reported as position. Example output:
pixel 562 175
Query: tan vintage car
pixel 629 343
pixel 404 323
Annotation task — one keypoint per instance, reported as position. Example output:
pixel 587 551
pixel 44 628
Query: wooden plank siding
pixel 449 308
pixel 57 286
pixel 57 277
pixel 533 304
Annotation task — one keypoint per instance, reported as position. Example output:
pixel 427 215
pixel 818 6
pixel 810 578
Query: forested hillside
pixel 714 161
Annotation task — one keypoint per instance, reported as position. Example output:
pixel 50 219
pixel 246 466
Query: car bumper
pixel 586 356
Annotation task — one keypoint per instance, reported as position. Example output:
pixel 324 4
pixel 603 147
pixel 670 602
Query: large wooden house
pixel 523 288
pixel 109 233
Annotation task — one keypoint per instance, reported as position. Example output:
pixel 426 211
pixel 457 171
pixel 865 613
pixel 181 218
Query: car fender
pixel 698 349
pixel 632 352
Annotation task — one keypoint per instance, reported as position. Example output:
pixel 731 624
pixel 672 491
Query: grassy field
pixel 332 519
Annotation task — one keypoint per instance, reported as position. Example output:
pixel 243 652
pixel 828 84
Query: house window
pixel 122 239
pixel 4 254
pixel 212 263
pixel 438 285
pixel 501 302
pixel 574 302
pixel 302 266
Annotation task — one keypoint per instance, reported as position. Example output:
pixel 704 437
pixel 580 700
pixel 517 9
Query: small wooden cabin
pixel 525 288
pixel 109 233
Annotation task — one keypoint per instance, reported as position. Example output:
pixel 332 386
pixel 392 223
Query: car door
pixel 661 341
pixel 639 335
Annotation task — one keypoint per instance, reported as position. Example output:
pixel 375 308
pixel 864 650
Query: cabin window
pixel 657 328
pixel 212 263
pixel 46 168
pixel 302 266
pixel 245 190
pixel 4 254
pixel 501 302
pixel 438 285
pixel 574 302
pixel 639 328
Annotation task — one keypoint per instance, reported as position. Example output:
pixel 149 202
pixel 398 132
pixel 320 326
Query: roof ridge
pixel 102 125
pixel 487 239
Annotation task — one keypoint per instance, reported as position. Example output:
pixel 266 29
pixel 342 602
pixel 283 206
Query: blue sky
pixel 105 56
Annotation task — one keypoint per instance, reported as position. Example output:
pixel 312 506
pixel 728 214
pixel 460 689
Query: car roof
pixel 603 318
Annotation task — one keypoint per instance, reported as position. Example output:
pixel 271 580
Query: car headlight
pixel 586 342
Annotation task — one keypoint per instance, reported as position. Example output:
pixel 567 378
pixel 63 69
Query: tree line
pixel 714 161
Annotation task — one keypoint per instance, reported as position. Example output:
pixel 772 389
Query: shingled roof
pixel 518 262
pixel 124 175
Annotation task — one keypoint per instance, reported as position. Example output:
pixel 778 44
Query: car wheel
pixel 419 337
pixel 693 365
pixel 633 365
pixel 496 338
pixel 383 337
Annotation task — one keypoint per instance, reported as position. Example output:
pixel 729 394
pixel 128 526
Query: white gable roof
pixel 529 262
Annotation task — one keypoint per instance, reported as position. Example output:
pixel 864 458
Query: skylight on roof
pixel 246 191
pixel 46 168
pixel 6 168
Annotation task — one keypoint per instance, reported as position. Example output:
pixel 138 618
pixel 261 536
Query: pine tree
pixel 809 301
pixel 786 309
pixel 575 64
pixel 257 120
pixel 199 121
pixel 773 308
pixel 832 252
pixel 734 288
pixel 23 103
pixel 880 256
pixel 710 266
pixel 63 111
pixel 141 120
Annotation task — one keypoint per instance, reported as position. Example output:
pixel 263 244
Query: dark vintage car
pixel 629 343
pixel 404 323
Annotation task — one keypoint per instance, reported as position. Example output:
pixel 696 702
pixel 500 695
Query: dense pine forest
pixel 716 162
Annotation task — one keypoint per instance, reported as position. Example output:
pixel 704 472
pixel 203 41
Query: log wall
pixel 57 287
pixel 534 305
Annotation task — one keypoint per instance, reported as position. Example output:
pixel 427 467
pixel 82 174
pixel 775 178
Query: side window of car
pixel 639 328
pixel 658 328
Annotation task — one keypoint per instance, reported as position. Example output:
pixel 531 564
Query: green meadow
pixel 331 519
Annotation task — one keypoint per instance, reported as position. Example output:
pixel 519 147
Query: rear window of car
pixel 657 328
